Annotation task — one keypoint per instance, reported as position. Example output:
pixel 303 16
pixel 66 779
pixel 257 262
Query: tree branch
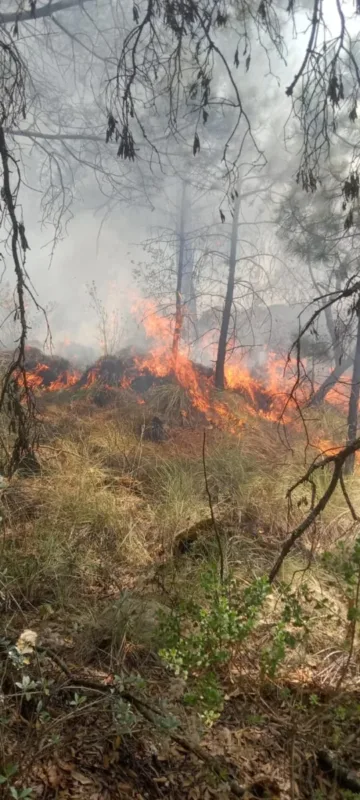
pixel 44 11
pixel 149 711
pixel 60 137
pixel 338 460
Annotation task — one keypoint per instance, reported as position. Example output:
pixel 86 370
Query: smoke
pixel 110 217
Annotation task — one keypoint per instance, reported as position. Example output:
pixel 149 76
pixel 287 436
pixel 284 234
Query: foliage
pixel 9 771
pixel 200 639
pixel 292 614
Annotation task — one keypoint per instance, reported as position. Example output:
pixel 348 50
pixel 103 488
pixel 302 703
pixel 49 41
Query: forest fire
pixel 48 372
pixel 37 379
pixel 269 397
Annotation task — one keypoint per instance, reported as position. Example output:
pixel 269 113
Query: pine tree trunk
pixel 354 398
pixel 331 380
pixel 189 296
pixel 180 272
pixel 225 321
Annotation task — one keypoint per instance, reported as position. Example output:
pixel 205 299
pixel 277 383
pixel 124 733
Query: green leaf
pixel 353 614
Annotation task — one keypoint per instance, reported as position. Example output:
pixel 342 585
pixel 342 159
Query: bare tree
pixel 352 422
pixel 180 272
pixel 108 323
pixel 326 255
pixel 15 395
pixel 229 297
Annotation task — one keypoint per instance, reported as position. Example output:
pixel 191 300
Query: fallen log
pixel 345 778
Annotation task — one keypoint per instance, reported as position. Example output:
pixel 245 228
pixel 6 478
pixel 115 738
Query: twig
pixel 22 414
pixel 149 711
pixel 292 764
pixel 347 499
pixel 305 524
pixel 216 530
pixel 353 632
pixel 343 777
pixel 44 11
pixel 338 461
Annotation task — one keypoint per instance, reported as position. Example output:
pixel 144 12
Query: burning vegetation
pixel 270 396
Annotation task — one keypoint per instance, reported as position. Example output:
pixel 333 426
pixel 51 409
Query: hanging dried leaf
pixel 353 112
pixel 236 57
pixel 196 145
pixel 349 220
pixel 247 63
pixel 205 116
pixel 126 149
pixel 23 239
pixel 262 10
pixel 135 14
pixel 222 216
pixel 351 187
pixel 111 125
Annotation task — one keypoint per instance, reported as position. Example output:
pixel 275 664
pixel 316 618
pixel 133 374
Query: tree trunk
pixel 180 273
pixel 338 354
pixel 221 353
pixel 354 398
pixel 331 380
pixel 189 295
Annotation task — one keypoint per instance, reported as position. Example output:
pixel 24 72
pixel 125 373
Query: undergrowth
pixel 89 546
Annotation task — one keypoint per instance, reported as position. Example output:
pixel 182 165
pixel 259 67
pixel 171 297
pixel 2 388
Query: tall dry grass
pixel 107 502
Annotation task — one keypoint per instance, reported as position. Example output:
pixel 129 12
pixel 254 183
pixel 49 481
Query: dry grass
pixel 87 557
pixel 108 506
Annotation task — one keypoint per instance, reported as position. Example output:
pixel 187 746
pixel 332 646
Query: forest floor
pixel 113 614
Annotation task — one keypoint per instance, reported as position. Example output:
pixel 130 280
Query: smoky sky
pixel 103 238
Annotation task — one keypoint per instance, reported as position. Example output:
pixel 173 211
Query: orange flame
pixel 36 378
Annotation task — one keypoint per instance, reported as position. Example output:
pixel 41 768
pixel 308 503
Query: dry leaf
pixel 65 765
pixel 81 778
pixel 26 642
pixel 53 776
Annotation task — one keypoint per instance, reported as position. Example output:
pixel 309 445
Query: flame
pixel 125 382
pixel 37 378
pixel 269 395
pixel 93 376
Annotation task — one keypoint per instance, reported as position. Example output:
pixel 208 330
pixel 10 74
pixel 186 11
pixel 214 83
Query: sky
pixel 106 250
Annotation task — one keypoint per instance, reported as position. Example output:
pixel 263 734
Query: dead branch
pixel 353 628
pixel 43 11
pixel 18 402
pixel 149 711
pixel 342 776
pixel 337 460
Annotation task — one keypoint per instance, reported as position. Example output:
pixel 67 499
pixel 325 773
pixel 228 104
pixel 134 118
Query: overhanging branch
pixel 60 137
pixel 338 461
pixel 43 11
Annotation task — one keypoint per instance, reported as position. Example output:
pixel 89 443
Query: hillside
pixel 111 559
